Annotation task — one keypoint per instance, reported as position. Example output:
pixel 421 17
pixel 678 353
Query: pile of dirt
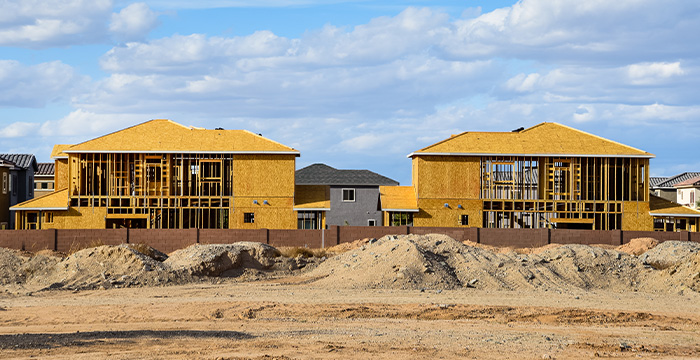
pixel 18 266
pixel 102 267
pixel 439 262
pixel 638 246
pixel 669 253
pixel 222 260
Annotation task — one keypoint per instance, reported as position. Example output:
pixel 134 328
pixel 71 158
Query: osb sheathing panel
pixel 312 196
pixel 663 206
pixel 448 177
pixel 263 175
pixel 60 176
pixel 265 218
pixel 86 217
pixel 545 138
pixel 58 150
pixel 434 213
pixel 57 199
pixel 398 197
pixel 175 137
pixel 635 216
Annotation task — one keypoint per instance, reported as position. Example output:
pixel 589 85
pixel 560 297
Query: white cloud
pixel 652 73
pixel 85 123
pixel 37 85
pixel 56 23
pixel 19 129
pixel 133 22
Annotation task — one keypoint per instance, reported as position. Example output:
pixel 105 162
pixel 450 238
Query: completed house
pixel 160 174
pixel 5 166
pixel 688 192
pixel 20 185
pixel 43 179
pixel 665 187
pixel 546 176
pixel 328 196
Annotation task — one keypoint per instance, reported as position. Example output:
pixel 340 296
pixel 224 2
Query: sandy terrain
pixel 272 310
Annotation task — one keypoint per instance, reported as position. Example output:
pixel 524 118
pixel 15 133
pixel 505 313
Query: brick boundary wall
pixel 168 240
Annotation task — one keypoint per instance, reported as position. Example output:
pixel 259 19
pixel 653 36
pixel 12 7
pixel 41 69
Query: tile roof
pixel 662 207
pixel 673 180
pixel 655 180
pixel 23 161
pixel 398 198
pixel 322 174
pixel 543 139
pixel 45 169
pixel 167 136
pixel 690 182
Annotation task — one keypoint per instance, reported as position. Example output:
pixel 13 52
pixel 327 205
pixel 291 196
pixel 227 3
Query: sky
pixel 354 84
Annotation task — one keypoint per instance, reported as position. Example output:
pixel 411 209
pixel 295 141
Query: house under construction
pixel 547 176
pixel 160 174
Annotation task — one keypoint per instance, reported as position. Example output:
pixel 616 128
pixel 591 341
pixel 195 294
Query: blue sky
pixel 354 84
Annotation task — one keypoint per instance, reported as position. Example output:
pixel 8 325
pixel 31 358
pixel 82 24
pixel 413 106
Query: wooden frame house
pixel 160 174
pixel 546 176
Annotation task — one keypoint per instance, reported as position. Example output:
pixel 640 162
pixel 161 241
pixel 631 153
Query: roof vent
pixel 219 128
pixel 519 129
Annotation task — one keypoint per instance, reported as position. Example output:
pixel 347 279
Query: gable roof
pixel 322 174
pixel 57 151
pixel 45 169
pixel 23 161
pixel 689 183
pixel 165 136
pixel 662 207
pixel 57 200
pixel 673 180
pixel 545 139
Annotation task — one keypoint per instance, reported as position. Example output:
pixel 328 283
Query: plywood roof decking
pixel 57 151
pixel 168 136
pixel 398 198
pixel 57 200
pixel 312 197
pixel 663 207
pixel 543 139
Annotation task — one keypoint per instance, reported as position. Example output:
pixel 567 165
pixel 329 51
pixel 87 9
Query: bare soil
pixel 397 297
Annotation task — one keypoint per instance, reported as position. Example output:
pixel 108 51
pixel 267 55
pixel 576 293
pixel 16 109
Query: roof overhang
pixel 312 209
pixel 675 215
pixel 295 153
pixel 39 208
pixel 60 157
pixel 529 155
pixel 402 210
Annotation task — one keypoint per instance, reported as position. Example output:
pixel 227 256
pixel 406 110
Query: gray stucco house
pixel 20 185
pixel 341 197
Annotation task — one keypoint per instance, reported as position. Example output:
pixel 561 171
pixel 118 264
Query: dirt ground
pixel 393 298
pixel 253 320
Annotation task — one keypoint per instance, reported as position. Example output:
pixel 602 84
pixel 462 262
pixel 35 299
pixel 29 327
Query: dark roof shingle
pixel 322 174
pixel 45 169
pixel 673 180
pixel 23 161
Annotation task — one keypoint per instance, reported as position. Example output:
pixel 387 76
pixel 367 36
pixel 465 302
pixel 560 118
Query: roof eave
pixel 413 154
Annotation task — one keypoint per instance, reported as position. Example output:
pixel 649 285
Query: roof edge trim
pixel 674 215
pixel 650 156
pixel 296 152
pixel 311 209
pixel 404 210
pixel 14 208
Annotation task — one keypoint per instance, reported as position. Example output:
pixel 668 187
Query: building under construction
pixel 547 176
pixel 160 174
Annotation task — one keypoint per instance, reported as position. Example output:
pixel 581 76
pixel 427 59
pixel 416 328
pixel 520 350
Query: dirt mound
pixel 440 262
pixel 12 261
pixel 102 266
pixel 669 253
pixel 341 248
pixel 638 246
pixel 216 260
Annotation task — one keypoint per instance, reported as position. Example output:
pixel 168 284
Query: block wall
pixel 165 240
pixel 514 237
pixel 75 239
